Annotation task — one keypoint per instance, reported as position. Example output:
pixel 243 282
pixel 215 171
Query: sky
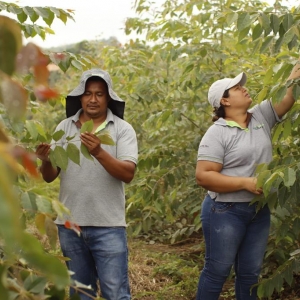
pixel 94 19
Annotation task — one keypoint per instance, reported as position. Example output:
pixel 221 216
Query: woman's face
pixel 239 97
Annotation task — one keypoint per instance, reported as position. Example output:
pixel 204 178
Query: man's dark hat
pixel 73 103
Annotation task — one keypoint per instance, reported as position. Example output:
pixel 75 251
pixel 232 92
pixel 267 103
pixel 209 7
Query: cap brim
pixel 239 79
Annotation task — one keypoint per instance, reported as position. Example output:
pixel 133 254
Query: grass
pixel 157 271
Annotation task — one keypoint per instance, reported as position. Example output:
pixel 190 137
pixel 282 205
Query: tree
pixel 188 45
pixel 27 270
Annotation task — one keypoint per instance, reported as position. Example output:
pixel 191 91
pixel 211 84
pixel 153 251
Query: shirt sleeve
pixel 127 148
pixel 211 147
pixel 267 111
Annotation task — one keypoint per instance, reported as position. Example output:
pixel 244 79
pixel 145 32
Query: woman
pixel 235 233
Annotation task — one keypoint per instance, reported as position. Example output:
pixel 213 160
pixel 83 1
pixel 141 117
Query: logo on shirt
pixel 258 126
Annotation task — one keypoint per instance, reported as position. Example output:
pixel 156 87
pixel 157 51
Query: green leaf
pixel 54 270
pixel 11 43
pixel 289 177
pixel 77 64
pixel 278 44
pixel 231 18
pixel 243 21
pixel 61 157
pixel 28 11
pixel 275 22
pixel 277 133
pixel 287 22
pixel 37 29
pixel 69 138
pixel 50 18
pixel 262 94
pixel 266 43
pixel 44 205
pixel 73 153
pixel 32 15
pixel 65 64
pixel 279 70
pixel 268 76
pixel 257 31
pixel 85 152
pixel 35 284
pixel 41 11
pixel 30 125
pixel 296 91
pixel 3 283
pixel 28 201
pixel 267 187
pixel 55 10
pixel 58 135
pixel 262 177
pixel 41 130
pixel 287 128
pixel 40 222
pixel 51 231
pixel 243 33
pixel 63 16
pixel 14 9
pixel 87 126
pixel 278 94
pixel 22 17
pixel 265 23
pixel 105 137
pixel 288 36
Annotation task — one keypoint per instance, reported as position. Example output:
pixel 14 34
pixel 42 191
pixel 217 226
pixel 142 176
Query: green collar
pixel 235 124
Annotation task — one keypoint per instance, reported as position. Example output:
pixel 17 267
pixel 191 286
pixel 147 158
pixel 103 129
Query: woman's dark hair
pixel 220 112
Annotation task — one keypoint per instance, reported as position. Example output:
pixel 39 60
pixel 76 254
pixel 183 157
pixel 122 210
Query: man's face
pixel 95 99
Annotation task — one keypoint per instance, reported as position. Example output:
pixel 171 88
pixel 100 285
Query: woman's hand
pixel 250 185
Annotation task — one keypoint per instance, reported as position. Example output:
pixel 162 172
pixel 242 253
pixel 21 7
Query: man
pixel 94 190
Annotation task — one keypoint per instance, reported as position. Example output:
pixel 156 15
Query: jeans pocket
pixel 222 206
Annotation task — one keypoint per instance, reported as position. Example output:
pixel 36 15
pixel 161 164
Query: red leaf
pixel 59 56
pixel 29 165
pixel 44 93
pixel 73 226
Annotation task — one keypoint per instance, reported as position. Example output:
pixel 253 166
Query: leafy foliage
pixel 190 44
pixel 163 78
pixel 27 270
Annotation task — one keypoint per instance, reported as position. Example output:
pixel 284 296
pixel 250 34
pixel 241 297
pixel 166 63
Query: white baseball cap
pixel 217 89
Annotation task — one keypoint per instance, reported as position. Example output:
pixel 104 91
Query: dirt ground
pixel 148 284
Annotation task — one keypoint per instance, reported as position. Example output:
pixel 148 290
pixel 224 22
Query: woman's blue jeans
pixel 98 253
pixel 235 234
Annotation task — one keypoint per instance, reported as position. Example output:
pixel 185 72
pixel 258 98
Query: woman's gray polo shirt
pixel 240 150
pixel 93 196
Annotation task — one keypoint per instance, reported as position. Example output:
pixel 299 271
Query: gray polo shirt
pixel 240 150
pixel 93 196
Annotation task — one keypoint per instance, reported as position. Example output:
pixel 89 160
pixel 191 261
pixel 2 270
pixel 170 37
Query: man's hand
pixel 42 151
pixel 92 142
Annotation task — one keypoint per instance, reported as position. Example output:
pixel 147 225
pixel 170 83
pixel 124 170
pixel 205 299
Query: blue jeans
pixel 235 234
pixel 98 253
